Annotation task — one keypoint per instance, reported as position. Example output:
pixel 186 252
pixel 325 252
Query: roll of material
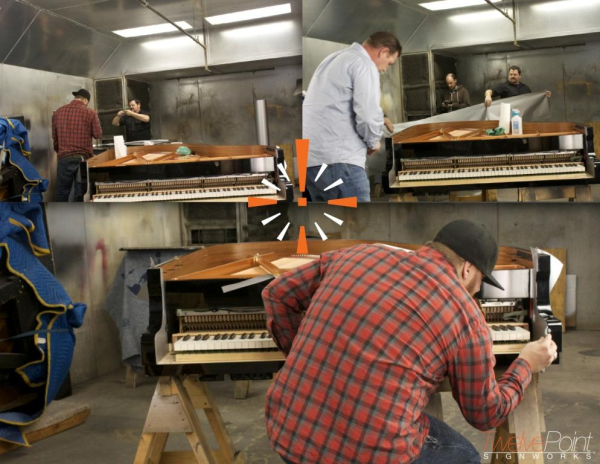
pixel 505 117
pixel 262 137
pixel 570 142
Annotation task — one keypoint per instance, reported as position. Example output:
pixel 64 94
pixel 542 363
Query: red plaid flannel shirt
pixel 382 329
pixel 73 127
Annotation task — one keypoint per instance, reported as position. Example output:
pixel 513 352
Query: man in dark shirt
pixel 511 88
pixel 73 126
pixel 136 122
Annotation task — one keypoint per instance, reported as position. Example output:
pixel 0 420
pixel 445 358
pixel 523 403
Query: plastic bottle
pixel 516 123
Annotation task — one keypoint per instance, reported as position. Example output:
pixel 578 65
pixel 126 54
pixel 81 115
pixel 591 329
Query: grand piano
pixel 209 173
pixel 459 155
pixel 207 315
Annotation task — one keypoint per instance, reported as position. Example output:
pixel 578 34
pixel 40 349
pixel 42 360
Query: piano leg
pixel 173 409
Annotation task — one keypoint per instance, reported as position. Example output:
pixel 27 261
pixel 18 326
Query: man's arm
pixel 488 97
pixel 117 119
pixel 138 116
pixel 369 116
pixel 466 99
pixel 96 128
pixel 286 298
pixel 484 401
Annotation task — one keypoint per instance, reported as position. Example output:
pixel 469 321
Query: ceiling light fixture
pixel 451 4
pixel 151 30
pixel 247 15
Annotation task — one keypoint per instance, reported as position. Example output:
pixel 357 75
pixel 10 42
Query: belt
pixel 76 155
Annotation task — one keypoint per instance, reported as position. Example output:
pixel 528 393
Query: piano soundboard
pixel 442 157
pixel 210 173
pixel 223 331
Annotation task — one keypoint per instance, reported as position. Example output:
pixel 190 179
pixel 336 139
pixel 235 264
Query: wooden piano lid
pixel 165 154
pixel 246 260
pixel 457 131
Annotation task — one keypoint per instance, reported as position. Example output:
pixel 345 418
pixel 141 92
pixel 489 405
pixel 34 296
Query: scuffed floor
pixel 571 396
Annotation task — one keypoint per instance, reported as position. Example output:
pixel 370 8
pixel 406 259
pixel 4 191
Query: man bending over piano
pixel 342 118
pixel 511 88
pixel 383 328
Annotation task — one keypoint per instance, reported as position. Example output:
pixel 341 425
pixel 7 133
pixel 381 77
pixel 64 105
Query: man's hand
pixel 120 113
pixel 539 354
pixel 376 148
pixel 488 100
pixel 128 112
pixel 548 94
pixel 388 123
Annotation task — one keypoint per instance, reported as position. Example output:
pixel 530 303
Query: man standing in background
pixel 456 97
pixel 73 126
pixel 136 122
pixel 511 88
pixel 342 118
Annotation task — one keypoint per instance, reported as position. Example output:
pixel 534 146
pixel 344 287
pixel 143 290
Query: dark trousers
pixel 66 177
pixel 443 445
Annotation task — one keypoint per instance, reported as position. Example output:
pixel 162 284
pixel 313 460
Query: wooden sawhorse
pixel 526 424
pixel 173 409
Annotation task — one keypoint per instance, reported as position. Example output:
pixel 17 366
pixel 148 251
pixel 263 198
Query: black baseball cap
pixel 474 243
pixel 82 93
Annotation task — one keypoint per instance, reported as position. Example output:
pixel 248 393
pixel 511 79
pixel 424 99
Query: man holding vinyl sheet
pixel 370 332
pixel 511 88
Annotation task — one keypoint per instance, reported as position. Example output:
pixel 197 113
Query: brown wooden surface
pixel 575 193
pixel 475 130
pixel 558 294
pixel 203 153
pixel 223 261
pixel 40 434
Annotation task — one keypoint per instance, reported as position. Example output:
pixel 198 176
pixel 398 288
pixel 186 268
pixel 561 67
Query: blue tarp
pixel 22 238
pixel 16 144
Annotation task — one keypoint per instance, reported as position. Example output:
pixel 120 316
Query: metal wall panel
pixel 35 95
pixel 313 52
pixel 220 109
pixel 55 44
pixel 15 18
pixel 86 240
pixel 311 10
pixel 581 84
pixel 348 21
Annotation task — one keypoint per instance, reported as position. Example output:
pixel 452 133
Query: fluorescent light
pixel 171 44
pixel 564 5
pixel 250 14
pixel 450 4
pixel 258 30
pixel 474 18
pixel 150 30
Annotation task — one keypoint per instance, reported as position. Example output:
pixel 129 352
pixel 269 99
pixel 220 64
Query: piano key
pixel 226 342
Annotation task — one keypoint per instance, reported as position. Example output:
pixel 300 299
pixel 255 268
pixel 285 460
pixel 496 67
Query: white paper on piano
pixel 555 265
pixel 120 148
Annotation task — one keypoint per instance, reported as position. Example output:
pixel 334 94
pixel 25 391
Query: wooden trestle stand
pixel 524 425
pixel 173 409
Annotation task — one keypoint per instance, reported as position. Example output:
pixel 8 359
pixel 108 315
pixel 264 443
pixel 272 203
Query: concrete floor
pixel 571 397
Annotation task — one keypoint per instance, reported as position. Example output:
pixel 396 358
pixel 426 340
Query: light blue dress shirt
pixel 341 115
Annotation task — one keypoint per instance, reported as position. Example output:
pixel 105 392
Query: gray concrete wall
pixel 36 95
pixel 85 240
pixel 548 225
pixel 220 109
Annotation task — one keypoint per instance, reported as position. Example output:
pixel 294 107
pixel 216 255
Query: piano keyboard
pixel 186 194
pixel 224 342
pixel 509 333
pixel 424 177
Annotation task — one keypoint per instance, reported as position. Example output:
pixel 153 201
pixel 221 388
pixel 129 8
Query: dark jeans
pixel 66 176
pixel 356 182
pixel 443 445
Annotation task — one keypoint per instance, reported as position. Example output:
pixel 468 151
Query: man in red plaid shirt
pixel 383 327
pixel 73 126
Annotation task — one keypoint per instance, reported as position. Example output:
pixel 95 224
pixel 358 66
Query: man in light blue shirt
pixel 342 118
